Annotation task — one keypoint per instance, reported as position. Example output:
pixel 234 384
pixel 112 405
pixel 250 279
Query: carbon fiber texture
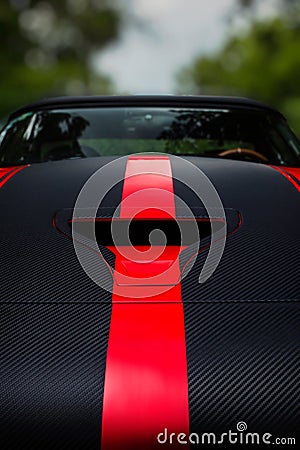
pixel 243 365
pixel 242 325
pixel 52 375
pixel 38 263
pixel 261 259
pixel 257 265
pixel 43 268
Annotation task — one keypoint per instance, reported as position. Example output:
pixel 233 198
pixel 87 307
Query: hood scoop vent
pixel 146 248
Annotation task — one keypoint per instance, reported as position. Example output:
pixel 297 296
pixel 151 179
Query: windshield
pixel 51 135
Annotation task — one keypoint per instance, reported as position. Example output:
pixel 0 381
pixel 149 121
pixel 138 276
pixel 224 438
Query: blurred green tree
pixel 287 7
pixel 49 47
pixel 262 61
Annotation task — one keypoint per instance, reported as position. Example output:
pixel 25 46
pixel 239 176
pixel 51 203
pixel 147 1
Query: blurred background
pixel 219 47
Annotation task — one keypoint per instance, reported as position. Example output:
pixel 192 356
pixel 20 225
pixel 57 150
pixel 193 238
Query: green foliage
pixel 288 8
pixel 262 63
pixel 47 48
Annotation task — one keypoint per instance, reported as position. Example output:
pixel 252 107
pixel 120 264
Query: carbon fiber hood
pixel 241 326
pixel 261 261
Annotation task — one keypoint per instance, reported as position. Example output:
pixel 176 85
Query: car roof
pixel 193 101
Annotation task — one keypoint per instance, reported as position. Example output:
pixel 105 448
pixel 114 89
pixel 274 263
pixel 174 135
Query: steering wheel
pixel 244 151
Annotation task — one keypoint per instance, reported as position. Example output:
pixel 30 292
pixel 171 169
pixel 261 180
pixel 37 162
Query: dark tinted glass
pixel 51 135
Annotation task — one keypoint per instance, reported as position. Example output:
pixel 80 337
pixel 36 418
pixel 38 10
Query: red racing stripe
pixel 8 172
pixel 146 387
pixel 287 172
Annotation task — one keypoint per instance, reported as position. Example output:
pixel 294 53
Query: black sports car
pixel 150 274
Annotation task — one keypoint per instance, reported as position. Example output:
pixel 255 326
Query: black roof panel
pixel 145 100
